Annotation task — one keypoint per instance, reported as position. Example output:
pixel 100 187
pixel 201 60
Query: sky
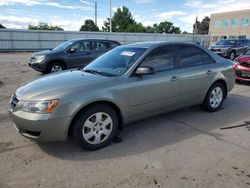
pixel 71 14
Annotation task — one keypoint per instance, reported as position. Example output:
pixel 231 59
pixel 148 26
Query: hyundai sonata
pixel 126 84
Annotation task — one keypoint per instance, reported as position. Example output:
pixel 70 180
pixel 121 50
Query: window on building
pixel 226 23
pixel 234 22
pixel 244 22
pixel 217 24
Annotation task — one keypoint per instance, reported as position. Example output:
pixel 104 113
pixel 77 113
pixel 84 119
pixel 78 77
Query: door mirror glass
pixel 144 70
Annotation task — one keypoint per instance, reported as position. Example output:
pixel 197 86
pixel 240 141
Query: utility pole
pixel 95 13
pixel 110 22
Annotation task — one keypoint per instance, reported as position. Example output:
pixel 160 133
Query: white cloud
pixel 170 14
pixel 85 2
pixel 25 2
pixel 202 8
pixel 54 4
pixel 18 22
pixel 45 3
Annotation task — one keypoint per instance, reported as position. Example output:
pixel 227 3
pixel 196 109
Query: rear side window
pixel 161 59
pixel 192 56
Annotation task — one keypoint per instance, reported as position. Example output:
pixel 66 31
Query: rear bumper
pixel 40 127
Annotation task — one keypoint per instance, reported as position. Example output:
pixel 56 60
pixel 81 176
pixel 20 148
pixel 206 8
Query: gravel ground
pixel 185 148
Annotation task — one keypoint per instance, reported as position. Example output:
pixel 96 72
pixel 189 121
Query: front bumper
pixel 40 127
pixel 242 73
pixel 221 53
pixel 41 67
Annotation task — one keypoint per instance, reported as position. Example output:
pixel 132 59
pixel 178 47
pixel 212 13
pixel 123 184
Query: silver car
pixel 126 84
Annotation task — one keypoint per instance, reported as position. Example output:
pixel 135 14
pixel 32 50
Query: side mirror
pixel 72 50
pixel 144 70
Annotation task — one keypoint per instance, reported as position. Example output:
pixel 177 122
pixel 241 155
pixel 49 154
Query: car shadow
pixel 159 131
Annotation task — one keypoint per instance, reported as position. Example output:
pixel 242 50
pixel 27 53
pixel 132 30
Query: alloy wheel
pixel 97 128
pixel 216 97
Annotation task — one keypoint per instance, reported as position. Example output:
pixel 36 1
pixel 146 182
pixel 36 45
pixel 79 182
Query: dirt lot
pixel 185 148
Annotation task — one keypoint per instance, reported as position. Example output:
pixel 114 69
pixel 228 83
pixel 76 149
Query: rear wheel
pixel 232 55
pixel 95 127
pixel 215 97
pixel 56 67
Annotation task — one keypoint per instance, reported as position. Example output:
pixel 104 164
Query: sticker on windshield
pixel 127 53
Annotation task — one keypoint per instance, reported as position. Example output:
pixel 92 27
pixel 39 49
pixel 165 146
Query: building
pixel 236 23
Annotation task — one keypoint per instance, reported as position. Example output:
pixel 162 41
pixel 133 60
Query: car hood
pixel 57 85
pixel 44 52
pixel 243 58
pixel 220 46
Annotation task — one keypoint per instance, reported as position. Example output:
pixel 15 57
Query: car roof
pixel 79 39
pixel 156 43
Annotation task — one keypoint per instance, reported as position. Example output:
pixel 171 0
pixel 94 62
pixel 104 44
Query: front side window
pixel 234 23
pixel 85 46
pixel 161 59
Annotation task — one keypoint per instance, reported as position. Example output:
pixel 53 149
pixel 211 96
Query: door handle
pixel 174 78
pixel 210 72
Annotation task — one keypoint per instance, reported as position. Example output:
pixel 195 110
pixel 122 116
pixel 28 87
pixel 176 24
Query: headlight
pixel 224 49
pixel 39 107
pixel 39 59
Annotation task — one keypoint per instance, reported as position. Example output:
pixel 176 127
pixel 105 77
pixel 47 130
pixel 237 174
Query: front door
pixel 149 94
pixel 81 56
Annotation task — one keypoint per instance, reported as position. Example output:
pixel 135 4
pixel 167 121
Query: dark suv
pixel 230 48
pixel 70 54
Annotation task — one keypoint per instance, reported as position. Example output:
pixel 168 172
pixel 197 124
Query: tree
pixel 204 26
pixel 89 25
pixel 201 27
pixel 2 27
pixel 166 27
pixel 44 26
pixel 122 21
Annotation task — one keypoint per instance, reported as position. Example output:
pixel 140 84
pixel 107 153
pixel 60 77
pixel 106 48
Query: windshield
pixel 63 46
pixel 247 52
pixel 115 62
pixel 226 42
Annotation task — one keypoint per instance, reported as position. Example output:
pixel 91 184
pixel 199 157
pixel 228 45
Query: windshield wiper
pixel 98 72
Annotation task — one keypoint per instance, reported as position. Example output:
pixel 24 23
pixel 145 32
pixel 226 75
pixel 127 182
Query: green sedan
pixel 129 83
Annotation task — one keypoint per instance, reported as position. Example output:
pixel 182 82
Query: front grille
pixel 13 101
pixel 243 74
pixel 245 64
pixel 216 50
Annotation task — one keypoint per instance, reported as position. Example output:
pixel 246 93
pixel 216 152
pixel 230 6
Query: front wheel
pixel 56 67
pixel 95 127
pixel 215 97
pixel 232 55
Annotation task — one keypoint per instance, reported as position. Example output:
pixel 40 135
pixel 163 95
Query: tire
pixel 215 97
pixel 95 127
pixel 232 55
pixel 56 67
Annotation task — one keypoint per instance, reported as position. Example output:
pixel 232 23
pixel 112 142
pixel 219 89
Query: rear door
pixel 197 73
